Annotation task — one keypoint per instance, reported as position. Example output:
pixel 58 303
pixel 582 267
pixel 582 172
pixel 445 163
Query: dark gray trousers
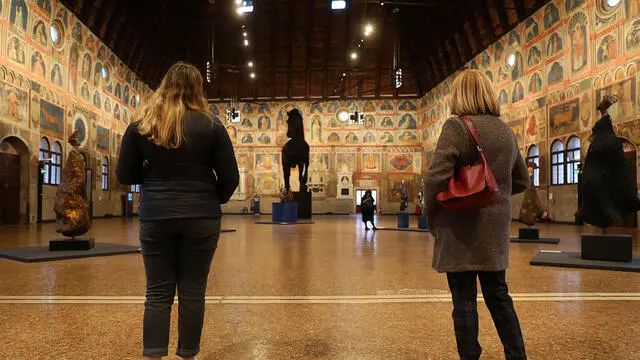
pixel 177 253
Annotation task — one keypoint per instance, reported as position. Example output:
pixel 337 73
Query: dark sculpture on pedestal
pixel 404 196
pixel 608 193
pixel 296 151
pixel 71 205
pixel 531 209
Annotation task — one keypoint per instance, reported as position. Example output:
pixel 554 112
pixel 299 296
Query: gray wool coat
pixel 476 241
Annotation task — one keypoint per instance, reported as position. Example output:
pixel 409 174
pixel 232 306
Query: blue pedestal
pixel 291 212
pixel 422 222
pixel 277 212
pixel 403 220
pixel 284 212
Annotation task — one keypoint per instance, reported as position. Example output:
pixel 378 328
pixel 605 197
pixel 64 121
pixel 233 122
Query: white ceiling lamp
pixel 338 4
pixel 354 55
pixel 253 75
pixel 250 64
pixel 246 42
pixel 245 6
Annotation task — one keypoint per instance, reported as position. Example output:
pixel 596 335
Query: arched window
pixel 557 163
pixel 533 156
pixel 105 174
pixel 56 163
pixel 45 154
pixel 573 159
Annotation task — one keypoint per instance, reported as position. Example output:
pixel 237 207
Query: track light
pixel 246 42
pixel 250 64
pixel 244 33
pixel 338 4
pixel 253 75
pixel 354 55
pixel 368 30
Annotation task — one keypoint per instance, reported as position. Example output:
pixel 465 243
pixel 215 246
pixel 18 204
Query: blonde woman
pixel 185 162
pixel 476 245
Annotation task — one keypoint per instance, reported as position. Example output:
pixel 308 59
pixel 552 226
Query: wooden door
pixel 9 189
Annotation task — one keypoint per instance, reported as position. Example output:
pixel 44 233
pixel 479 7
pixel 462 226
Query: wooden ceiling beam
pixel 520 10
pixel 488 22
pixel 273 40
pixel 292 26
pixel 381 49
pixel 347 49
pixel 109 21
pixel 502 15
pixel 327 50
pixel 118 24
pixel 309 46
pixel 91 13
pixel 473 26
pixel 151 26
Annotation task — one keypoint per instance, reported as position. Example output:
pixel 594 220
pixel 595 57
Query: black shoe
pixel 366 229
pixel 375 228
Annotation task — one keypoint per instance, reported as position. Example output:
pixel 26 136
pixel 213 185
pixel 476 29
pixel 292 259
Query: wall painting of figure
pixel 531 29
pixel 407 122
pixel 18 15
pixel 556 75
pixel 351 138
pixel 626 91
pixel 386 138
pixel 14 104
pixel 579 44
pixel 369 107
pixel 264 122
pixel 40 33
pixel 554 44
pixel 371 162
pixel 563 118
pixel 535 83
pixel 518 128
pixel 369 138
pixel 534 56
pixel 15 50
pixel 316 129
pixel 56 75
pixel 102 139
pixel 407 105
pixel 551 16
pixel 607 49
pixel 37 65
pixel 333 138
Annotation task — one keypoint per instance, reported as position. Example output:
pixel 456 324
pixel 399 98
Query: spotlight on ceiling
pixel 244 33
pixel 246 42
pixel 354 55
pixel 245 6
pixel 250 64
pixel 338 4
pixel 253 75
pixel 368 29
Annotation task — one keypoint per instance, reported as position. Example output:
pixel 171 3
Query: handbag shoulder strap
pixel 472 132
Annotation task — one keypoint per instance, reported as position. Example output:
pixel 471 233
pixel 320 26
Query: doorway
pixel 14 181
pixel 631 155
pixel 360 193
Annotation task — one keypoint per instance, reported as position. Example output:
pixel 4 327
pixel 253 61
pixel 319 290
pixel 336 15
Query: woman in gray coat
pixel 476 245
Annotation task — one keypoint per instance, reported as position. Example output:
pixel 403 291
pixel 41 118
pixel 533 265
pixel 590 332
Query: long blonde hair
pixel 160 118
pixel 473 94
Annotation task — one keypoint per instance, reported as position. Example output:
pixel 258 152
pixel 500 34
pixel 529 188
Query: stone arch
pixel 26 207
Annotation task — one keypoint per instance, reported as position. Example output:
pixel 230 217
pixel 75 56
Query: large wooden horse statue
pixel 296 151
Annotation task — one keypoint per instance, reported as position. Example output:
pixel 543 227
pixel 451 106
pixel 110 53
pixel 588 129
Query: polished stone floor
pixel 324 291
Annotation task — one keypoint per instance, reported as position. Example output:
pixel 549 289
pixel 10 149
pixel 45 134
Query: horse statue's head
pixel 294 124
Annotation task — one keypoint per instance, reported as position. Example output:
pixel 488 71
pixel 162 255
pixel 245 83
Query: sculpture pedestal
pixel 71 244
pixel 304 204
pixel 422 222
pixel 284 212
pixel 614 247
pixel 403 220
pixel 529 233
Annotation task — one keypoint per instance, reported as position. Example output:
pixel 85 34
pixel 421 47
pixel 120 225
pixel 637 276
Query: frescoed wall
pixel 574 51
pixel 387 142
pixel 57 77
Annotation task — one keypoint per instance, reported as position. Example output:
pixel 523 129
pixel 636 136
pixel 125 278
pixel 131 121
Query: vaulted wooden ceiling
pixel 301 48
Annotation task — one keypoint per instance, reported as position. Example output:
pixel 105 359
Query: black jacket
pixel 189 182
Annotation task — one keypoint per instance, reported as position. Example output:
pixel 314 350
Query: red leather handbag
pixel 474 187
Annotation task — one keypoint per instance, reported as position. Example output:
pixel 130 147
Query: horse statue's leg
pixel 286 169
pixel 303 174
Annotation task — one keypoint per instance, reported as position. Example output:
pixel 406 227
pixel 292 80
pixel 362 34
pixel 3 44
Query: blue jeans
pixel 177 253
pixel 464 291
